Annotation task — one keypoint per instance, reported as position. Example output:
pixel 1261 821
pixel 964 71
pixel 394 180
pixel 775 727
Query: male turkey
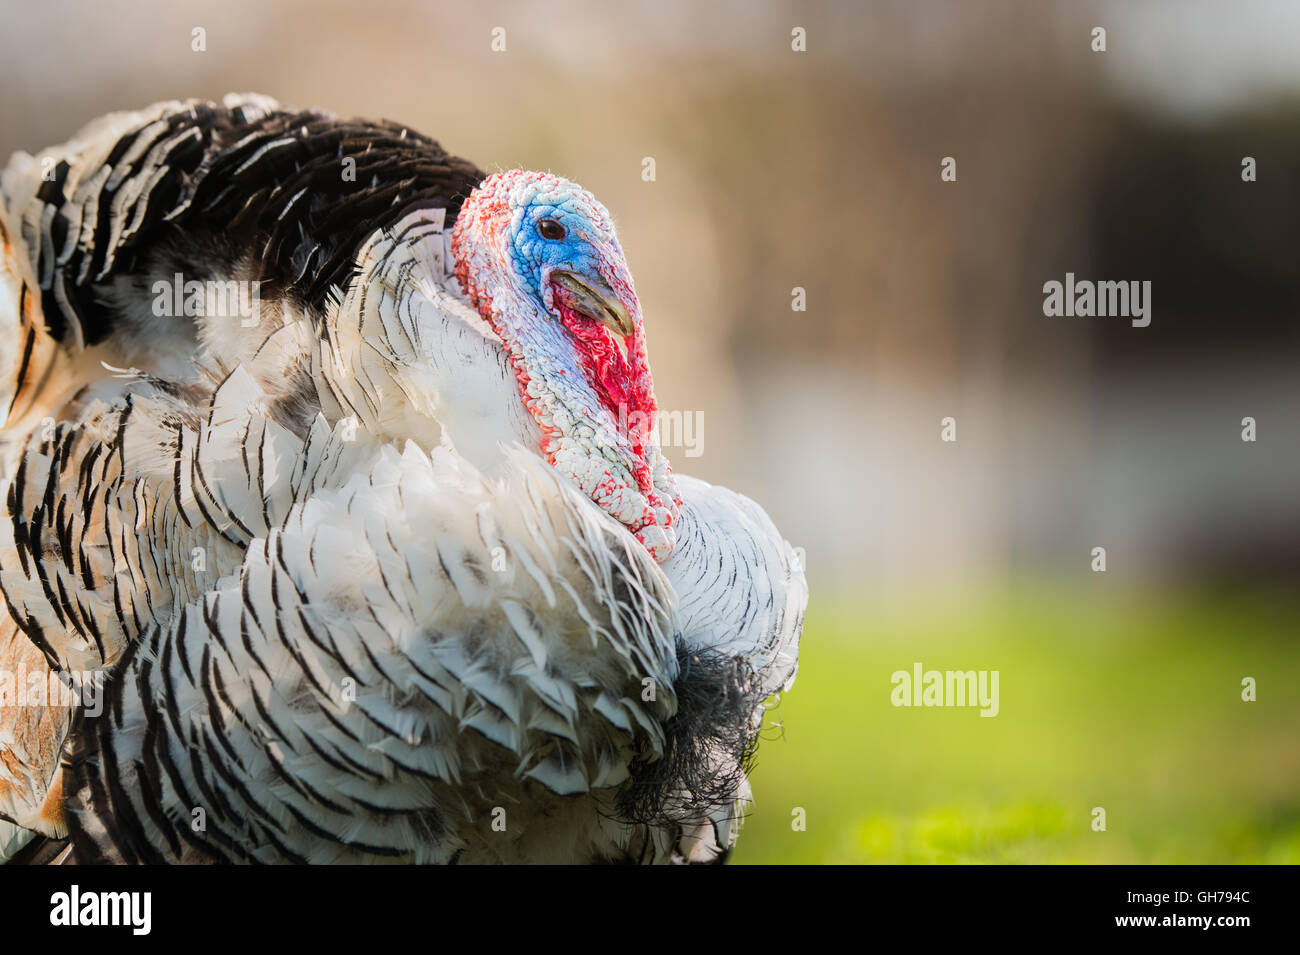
pixel 387 567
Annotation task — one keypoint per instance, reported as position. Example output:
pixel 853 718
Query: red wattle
pixel 621 383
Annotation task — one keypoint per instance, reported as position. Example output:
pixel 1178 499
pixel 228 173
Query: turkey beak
pixel 596 300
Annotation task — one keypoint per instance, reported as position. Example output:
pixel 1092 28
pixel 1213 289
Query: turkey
pixel 336 526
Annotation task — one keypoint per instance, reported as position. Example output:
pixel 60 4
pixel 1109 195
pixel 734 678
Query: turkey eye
pixel 550 229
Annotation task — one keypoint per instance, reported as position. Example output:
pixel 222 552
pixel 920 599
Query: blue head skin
pixel 540 259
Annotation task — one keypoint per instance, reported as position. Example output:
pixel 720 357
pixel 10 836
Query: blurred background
pixel 820 169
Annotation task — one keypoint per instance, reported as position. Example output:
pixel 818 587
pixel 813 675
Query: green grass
pixel 1127 702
